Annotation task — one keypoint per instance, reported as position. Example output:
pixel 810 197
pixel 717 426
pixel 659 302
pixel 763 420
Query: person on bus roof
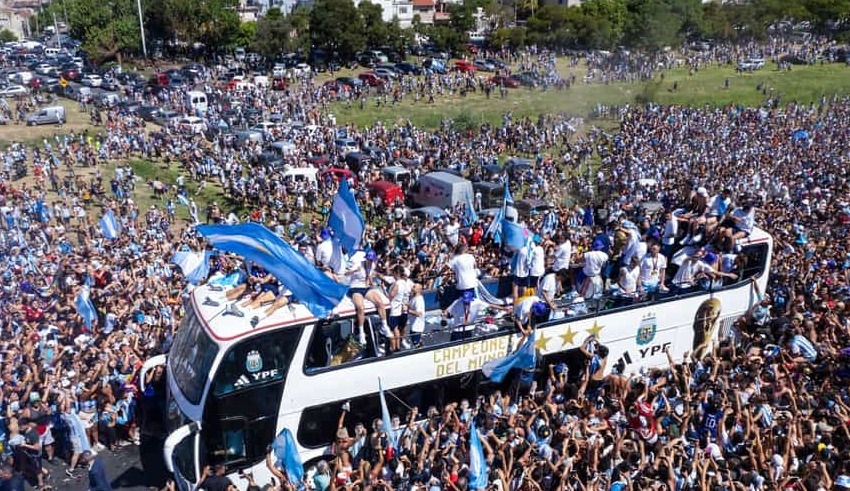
pixel 362 275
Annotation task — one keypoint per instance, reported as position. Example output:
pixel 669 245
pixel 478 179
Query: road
pixel 123 467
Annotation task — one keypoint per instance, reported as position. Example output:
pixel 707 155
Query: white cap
pixel 702 191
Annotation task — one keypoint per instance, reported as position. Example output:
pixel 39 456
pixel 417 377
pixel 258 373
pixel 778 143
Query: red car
pixel 464 66
pixel 501 80
pixel 369 78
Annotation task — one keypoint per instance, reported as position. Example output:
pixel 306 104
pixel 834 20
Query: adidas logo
pixel 242 381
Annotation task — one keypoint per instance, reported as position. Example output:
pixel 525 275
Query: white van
pixel 300 174
pixel 52 51
pixel 197 101
pixel 47 115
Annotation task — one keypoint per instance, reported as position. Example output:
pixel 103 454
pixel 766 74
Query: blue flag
pixel 471 216
pixel 286 452
pixel 385 418
pixel 109 226
pixel 194 265
pixel 523 358
pixel 85 308
pixel 495 229
pixel 345 219
pixel 261 246
pixel 514 235
pixel 478 472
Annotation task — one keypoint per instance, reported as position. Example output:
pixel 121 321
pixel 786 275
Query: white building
pixel 401 9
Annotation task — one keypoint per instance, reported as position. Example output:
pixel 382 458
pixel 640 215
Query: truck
pixel 442 189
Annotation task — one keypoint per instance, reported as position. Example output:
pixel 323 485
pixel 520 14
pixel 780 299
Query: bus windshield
pixel 191 357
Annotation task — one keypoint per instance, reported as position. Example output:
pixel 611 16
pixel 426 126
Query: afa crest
pixel 253 362
pixel 647 329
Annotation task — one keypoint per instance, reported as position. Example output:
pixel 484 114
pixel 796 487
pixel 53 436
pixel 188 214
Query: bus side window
pixel 333 345
pixel 756 256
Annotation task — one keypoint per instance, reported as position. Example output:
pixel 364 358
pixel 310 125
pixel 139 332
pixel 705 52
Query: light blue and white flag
pixel 522 358
pixel 495 228
pixel 345 219
pixel 550 223
pixel 109 226
pixel 183 200
pixel 194 265
pixel 478 472
pixel 471 216
pixel 514 235
pixel 286 453
pixel 387 421
pixel 258 244
pixel 85 307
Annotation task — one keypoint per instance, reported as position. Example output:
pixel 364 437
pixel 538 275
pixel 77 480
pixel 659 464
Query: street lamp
pixel 142 28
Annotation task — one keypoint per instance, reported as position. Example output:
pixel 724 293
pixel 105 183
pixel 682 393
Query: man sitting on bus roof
pixel 362 274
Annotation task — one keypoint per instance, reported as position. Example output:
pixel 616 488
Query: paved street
pixel 124 468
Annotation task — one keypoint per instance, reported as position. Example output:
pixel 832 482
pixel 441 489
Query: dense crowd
pixel 766 410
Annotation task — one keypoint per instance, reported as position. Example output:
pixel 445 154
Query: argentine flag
pixel 194 265
pixel 478 472
pixel 109 226
pixel 286 452
pixel 261 246
pixel 345 219
pixel 523 358
pixel 85 307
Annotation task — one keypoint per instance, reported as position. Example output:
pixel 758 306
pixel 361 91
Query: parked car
pixel 751 64
pixel 14 91
pixel 484 65
pixel 507 81
pixel 408 68
pixel 385 72
pixel 464 66
pixel 351 82
pixel 371 79
pixel 91 80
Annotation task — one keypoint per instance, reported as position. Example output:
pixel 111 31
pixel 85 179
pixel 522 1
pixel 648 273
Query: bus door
pixel 182 456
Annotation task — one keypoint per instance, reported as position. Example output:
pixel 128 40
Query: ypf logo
pixel 254 362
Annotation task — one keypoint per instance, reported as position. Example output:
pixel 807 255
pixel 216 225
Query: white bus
pixel 231 387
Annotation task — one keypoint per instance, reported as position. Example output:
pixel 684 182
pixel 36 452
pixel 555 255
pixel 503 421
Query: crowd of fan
pixel 768 410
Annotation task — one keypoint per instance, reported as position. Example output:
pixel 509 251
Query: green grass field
pixel 706 87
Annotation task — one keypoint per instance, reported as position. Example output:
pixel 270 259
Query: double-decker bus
pixel 232 385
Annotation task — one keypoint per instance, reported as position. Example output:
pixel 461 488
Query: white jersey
pixel 329 256
pixel 402 295
pixel 538 261
pixel 416 323
pixel 651 268
pixel 594 261
pixel 466 274
pixel 563 256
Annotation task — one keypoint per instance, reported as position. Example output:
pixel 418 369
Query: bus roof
pixel 224 327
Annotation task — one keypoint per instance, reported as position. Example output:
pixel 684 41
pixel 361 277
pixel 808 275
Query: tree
pixel 377 31
pixel 605 23
pixel 106 28
pixel 335 25
pixel 212 22
pixel 654 24
pixel 271 36
pixel 7 36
